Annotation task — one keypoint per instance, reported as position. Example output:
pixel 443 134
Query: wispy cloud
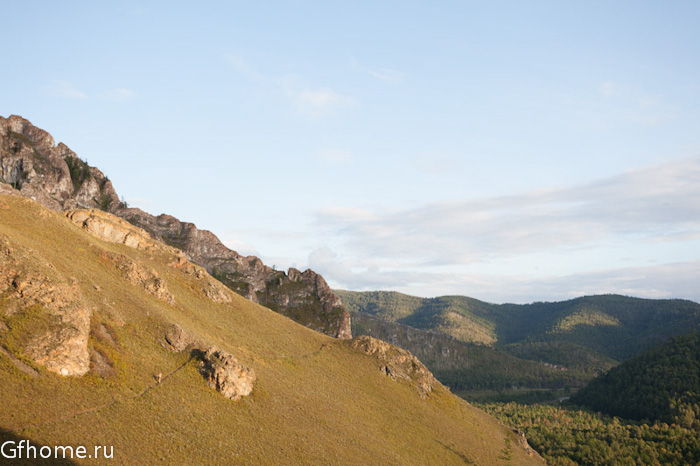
pixel 648 203
pixel 387 75
pixel 64 89
pixel 67 90
pixel 632 103
pixel 119 94
pixel 416 246
pixel 319 101
pixel 673 280
pixel 312 102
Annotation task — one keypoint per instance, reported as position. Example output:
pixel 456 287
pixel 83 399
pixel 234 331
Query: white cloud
pixel 438 246
pixel 387 75
pixel 119 94
pixel 241 247
pixel 64 89
pixel 663 281
pixel 650 203
pixel 316 102
pixel 632 103
pixel 311 102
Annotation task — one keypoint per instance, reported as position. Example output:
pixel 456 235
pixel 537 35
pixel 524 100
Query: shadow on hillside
pixel 9 443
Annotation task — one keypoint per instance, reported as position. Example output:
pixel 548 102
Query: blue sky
pixel 509 151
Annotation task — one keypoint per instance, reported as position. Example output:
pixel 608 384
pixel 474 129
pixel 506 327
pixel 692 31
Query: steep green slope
pixel 316 400
pixel 661 384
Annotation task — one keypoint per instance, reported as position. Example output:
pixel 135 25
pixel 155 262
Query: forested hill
pixel 661 384
pixel 609 326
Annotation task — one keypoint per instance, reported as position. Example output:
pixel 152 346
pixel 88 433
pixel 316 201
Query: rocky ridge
pixel 397 363
pixel 37 168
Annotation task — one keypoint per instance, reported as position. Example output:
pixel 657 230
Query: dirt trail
pixel 106 405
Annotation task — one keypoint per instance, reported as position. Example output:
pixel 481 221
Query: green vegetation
pixel 79 170
pixel 617 327
pixel 31 320
pixel 570 436
pixel 661 384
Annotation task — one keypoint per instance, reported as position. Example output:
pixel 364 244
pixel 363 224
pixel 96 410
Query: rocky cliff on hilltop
pixel 303 296
pixel 32 164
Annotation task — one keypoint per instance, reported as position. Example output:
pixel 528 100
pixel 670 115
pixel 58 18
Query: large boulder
pixel 226 375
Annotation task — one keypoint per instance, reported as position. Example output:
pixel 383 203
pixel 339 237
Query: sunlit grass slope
pixel 309 405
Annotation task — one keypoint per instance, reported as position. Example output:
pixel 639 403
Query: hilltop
pixel 55 176
pixel 110 337
pixel 661 384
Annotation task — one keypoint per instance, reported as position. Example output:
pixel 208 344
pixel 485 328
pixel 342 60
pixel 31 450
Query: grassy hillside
pixel 316 400
pixel 661 384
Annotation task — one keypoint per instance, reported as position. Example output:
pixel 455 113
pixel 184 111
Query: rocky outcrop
pixel 177 339
pixel 226 375
pixel 302 296
pixel 109 228
pixel 53 175
pixel 46 318
pixel 397 363
pixel 32 163
pixel 149 280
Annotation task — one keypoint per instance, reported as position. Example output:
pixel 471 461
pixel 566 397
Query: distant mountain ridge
pixel 584 336
pixel 32 164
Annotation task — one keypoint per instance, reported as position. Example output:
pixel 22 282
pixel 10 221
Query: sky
pixel 509 151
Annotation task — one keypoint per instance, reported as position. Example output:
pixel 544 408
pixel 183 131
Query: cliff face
pixel 303 296
pixel 32 163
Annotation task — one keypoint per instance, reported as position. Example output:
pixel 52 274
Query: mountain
pixel 468 367
pixel 661 384
pixel 111 338
pixel 583 337
pixel 31 163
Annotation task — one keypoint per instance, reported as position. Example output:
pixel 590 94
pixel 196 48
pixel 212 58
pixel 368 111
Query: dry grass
pixel 309 405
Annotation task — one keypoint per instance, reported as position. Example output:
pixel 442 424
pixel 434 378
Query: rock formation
pixel 304 297
pixel 109 228
pixel 225 374
pixel 51 174
pixel 32 164
pixel 47 318
pixel 397 363
pixel 137 275
pixel 178 339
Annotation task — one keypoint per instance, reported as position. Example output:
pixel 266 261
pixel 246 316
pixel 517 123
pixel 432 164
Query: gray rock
pixel 226 375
